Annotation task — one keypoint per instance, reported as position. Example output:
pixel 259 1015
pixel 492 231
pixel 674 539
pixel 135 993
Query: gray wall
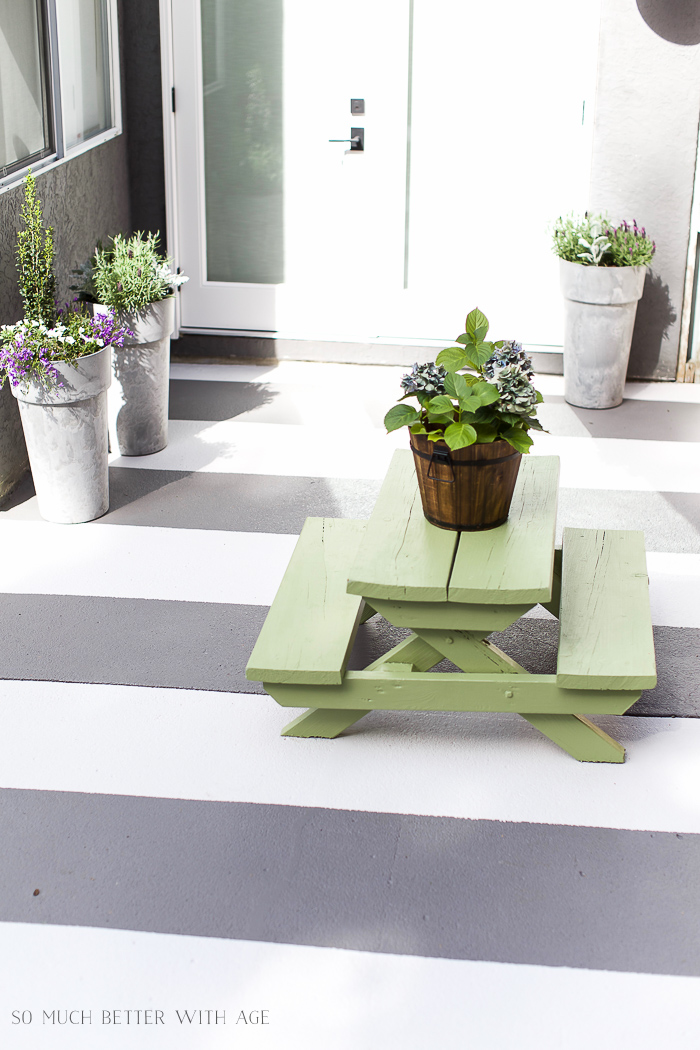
pixel 644 151
pixel 85 199
pixel 142 94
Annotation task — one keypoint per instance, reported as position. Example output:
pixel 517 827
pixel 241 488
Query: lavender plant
pixel 474 393
pixel 128 275
pixel 594 241
pixel 30 349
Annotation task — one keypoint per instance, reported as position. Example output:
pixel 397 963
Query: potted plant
pixel 132 278
pixel 602 269
pixel 476 406
pixel 58 368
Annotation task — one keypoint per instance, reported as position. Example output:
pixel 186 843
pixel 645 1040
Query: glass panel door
pixel 243 159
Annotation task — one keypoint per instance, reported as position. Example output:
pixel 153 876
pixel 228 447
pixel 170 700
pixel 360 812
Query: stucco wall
pixel 85 199
pixel 644 150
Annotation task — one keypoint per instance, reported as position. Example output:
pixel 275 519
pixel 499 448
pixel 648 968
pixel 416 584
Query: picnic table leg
pixel 582 739
pixel 324 722
pixel 329 722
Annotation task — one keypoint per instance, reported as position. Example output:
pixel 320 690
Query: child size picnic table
pixel 453 590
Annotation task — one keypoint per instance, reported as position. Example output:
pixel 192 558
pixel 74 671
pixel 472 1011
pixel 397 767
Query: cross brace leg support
pixel 582 739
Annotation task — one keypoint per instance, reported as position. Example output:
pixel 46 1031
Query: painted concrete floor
pixel 424 880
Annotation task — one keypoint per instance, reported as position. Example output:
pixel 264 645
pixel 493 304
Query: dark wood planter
pixel 468 490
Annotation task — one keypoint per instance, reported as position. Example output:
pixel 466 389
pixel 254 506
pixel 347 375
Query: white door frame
pixel 168 95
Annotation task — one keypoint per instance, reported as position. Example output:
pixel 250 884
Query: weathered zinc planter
pixel 138 399
pixel 600 308
pixel 65 428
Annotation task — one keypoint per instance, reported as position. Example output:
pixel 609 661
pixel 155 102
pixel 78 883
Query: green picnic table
pixel 453 590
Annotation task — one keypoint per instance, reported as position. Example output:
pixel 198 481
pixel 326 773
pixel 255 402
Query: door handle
pixel 357 142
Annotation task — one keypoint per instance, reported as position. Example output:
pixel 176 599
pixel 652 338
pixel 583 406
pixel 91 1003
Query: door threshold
pixel 266 348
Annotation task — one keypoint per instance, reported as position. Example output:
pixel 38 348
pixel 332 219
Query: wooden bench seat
pixel 311 627
pixel 605 633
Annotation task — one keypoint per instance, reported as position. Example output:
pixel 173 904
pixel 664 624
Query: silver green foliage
pixel 128 275
pixel 594 241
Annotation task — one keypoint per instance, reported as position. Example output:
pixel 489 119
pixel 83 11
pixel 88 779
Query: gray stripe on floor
pixel 270 503
pixel 214 400
pixel 206 645
pixel 235 502
pixel 636 419
pixel 596 898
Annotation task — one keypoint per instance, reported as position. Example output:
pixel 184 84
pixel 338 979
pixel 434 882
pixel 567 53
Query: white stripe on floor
pixel 134 561
pixel 291 450
pixel 318 998
pixel 238 568
pixel 315 998
pixel 176 743
pixel 272 448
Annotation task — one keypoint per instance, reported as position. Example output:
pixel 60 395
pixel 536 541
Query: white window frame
pixel 62 154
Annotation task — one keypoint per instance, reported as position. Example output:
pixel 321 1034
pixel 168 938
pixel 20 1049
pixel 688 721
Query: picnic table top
pixel 403 557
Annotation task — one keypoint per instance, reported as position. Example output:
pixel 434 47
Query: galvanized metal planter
pixel 65 428
pixel 600 308
pixel 138 399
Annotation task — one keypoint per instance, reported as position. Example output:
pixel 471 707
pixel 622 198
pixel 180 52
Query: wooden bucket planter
pixel 466 490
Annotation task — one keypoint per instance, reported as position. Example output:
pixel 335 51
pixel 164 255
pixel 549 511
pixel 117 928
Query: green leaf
pixel 418 428
pixel 477 326
pixel 480 353
pixel 456 385
pixel 486 392
pixel 518 438
pixel 451 358
pixel 441 405
pixel 459 435
pixel 400 416
pixel 463 338
pixel 540 399
pixel 469 404
pixel 436 435
pixel 485 433
pixel 534 424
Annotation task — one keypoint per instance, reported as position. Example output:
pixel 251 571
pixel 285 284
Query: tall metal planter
pixel 600 308
pixel 65 428
pixel 138 399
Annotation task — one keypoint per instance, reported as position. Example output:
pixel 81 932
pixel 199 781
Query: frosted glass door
pixel 280 228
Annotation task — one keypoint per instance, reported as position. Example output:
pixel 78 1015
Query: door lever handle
pixel 357 142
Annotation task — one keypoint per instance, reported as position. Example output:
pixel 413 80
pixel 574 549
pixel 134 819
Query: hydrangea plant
pixel 473 393
pixel 128 275
pixel 594 241
pixel 30 349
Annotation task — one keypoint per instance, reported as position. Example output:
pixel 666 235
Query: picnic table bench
pixel 453 590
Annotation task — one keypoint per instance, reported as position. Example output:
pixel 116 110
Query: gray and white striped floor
pixel 423 880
